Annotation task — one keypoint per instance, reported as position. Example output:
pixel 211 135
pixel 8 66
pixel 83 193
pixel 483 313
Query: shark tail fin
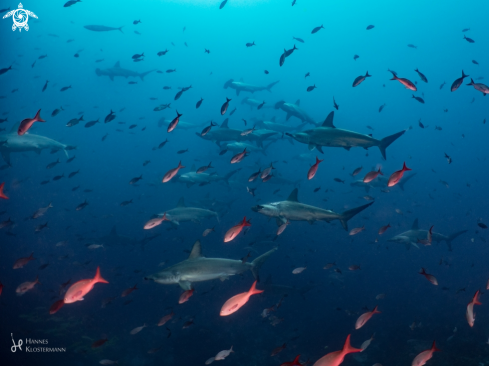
pixel 144 74
pixel 258 262
pixel 405 180
pixel 270 86
pixel 386 141
pixel 452 237
pixel 120 29
pixel 264 150
pixel 347 215
pixel 230 174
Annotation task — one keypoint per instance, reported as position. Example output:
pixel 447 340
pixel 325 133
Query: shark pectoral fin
pixel 311 222
pixel 347 148
pixel 237 91
pixel 175 222
pixel 311 147
pixel 280 220
pixel 288 116
pixel 185 285
pixel 111 77
pixel 224 278
pixel 66 153
pixel 320 148
pixel 415 245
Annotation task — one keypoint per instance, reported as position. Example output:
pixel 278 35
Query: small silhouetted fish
pixel 419 99
pixel 339 180
pixel 442 85
pixel 132 126
pixel 465 29
pixel 222 152
pixel 311 88
pixel 199 103
pixel 125 203
pixel 381 107
pixel 223 4
pixel 470 40
pixel 421 76
pixel 473 61
pixel 482 225
pixel 75 188
pixel 169 71
pixel 58 177
pixel 316 29
pixel 355 57
pixel 420 124
pixel 182 151
pixel 135 180
pixel 412 46
pixel 110 117
pixel 232 112
pixel 162 144
pixel 317 189
pixel 43 266
pixel 162 53
pixel 136 22
pixel 72 174
pixel 370 27
pixel 250 44
pixel 360 79
pixel 65 88
pixel 104 136
pixel 266 72
pixel 47 81
pixel 45 182
pixel 298 39
pixel 132 82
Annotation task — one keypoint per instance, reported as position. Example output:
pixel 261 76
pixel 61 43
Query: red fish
pixel 26 286
pixel 173 124
pixel 357 230
pixel 155 222
pixel 185 296
pixel 56 306
pixel 238 157
pixel 312 171
pixel 21 262
pixel 99 343
pixel 172 172
pixel 396 176
pixel 129 290
pixel 456 84
pixel 277 350
pixel 424 356
pixel 2 195
pixel 266 172
pixel 165 319
pixel 237 301
pixel 370 176
pixel 293 363
pixel 83 287
pixel 365 317
pixel 337 357
pixel 429 277
pixel 383 229
pixel 28 122
pixel 235 230
pixel 470 309
pixel 407 83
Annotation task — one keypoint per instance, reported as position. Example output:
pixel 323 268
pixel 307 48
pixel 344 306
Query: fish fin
pixel 237 92
pixel 453 236
pixel 144 74
pixel 320 149
pixel 311 147
pixel 347 348
pixel 328 122
pixel 347 148
pixel 117 65
pixel 258 262
pixel 225 123
pixel 415 225
pixel 111 77
pixel 15 128
pixel 288 116
pixel 386 141
pixel 196 251
pixel 293 195
pixel 347 215
pixel 66 153
pixel 98 277
pixel 298 102
pixel 224 278
pixel 269 86
pixel 181 202
pixel 185 285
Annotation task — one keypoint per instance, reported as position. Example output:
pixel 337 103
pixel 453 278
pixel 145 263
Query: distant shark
pixel 114 239
pixel 182 213
pixel 13 143
pixel 330 136
pixel 254 103
pixel 413 236
pixel 292 210
pixel 198 268
pixel 294 109
pixel 243 87
pixel 203 179
pixel 117 70
pixel 182 125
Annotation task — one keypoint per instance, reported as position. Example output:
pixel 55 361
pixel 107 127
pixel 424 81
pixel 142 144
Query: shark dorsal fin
pixel 181 202
pixel 15 128
pixel 298 102
pixel 328 122
pixel 415 225
pixel 117 65
pixel 193 169
pixel 113 232
pixel 196 251
pixel 225 123
pixel 293 196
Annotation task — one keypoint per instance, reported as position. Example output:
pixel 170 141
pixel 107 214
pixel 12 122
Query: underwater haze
pixel 244 182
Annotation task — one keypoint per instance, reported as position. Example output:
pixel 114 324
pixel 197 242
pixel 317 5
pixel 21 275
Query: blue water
pixel 320 306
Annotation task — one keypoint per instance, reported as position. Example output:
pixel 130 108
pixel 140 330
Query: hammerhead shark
pixel 117 70
pixel 239 86
pixel 13 143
